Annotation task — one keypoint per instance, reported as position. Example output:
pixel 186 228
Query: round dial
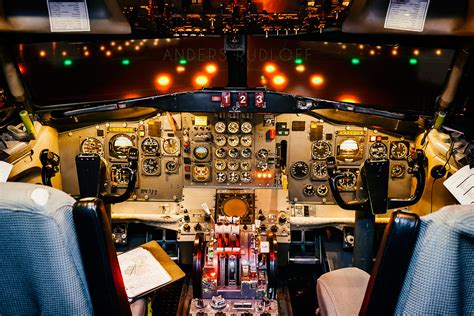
pixel 171 146
pixel 309 190
pixel 378 150
pixel 92 145
pixel 171 166
pixel 233 177
pixel 246 177
pixel 262 165
pixel 299 170
pixel 220 127
pixel 399 150
pixel 246 127
pixel 397 171
pixel 319 170
pixel 233 140
pixel 220 165
pixel 150 146
pixel 119 146
pixel 221 177
pixel 151 166
pixel 246 165
pixel 220 140
pixel 233 165
pixel 201 173
pixel 201 152
pixel 233 127
pixel 262 154
pixel 221 153
pixel 348 182
pixel 233 153
pixel 322 190
pixel 120 175
pixel 320 150
pixel 246 153
pixel 246 141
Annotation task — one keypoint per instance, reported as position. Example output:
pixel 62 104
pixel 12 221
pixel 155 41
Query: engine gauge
pixel 220 165
pixel 378 150
pixel 233 153
pixel 246 165
pixel 349 181
pixel 201 152
pixel 399 150
pixel 262 154
pixel 221 153
pixel 233 165
pixel 92 145
pixel 319 171
pixel 119 175
pixel 246 141
pixel 233 140
pixel 233 127
pixel 320 150
pixel 299 170
pixel 397 171
pixel 119 146
pixel 245 177
pixel 309 190
pixel 233 177
pixel 246 127
pixel 201 173
pixel 150 146
pixel 220 140
pixel 322 190
pixel 151 166
pixel 171 166
pixel 246 153
pixel 221 177
pixel 171 146
pixel 220 127
pixel 262 165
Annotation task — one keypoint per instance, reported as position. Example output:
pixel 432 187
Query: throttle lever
pixel 50 166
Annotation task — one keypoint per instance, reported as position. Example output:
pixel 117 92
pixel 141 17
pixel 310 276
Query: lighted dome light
pixel 270 68
pixel 317 80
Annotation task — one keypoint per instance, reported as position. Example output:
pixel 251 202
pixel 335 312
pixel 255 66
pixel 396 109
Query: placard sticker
pixel 68 16
pixel 407 15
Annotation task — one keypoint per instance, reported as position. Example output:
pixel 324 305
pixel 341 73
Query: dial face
pixel 349 181
pixel 220 165
pixel 201 173
pixel 201 152
pixel 233 140
pixel 320 150
pixel 309 190
pixel 171 146
pixel 233 165
pixel 246 177
pixel 319 170
pixel 233 153
pixel 246 141
pixel 119 175
pixel 220 140
pixel 119 146
pixel 233 127
pixel 246 127
pixel 246 153
pixel 151 166
pixel 397 171
pixel 221 177
pixel 220 127
pixel 150 146
pixel 350 149
pixel 398 150
pixel 262 165
pixel 171 166
pixel 246 165
pixel 378 150
pixel 299 170
pixel 322 190
pixel 92 145
pixel 221 153
pixel 233 177
pixel 262 154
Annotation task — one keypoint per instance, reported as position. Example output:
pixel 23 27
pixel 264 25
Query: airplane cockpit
pixel 228 157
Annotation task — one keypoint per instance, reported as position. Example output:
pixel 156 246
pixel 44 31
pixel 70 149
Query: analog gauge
pixel 151 166
pixel 246 165
pixel 349 181
pixel 233 165
pixel 119 175
pixel 246 177
pixel 246 153
pixel 220 127
pixel 262 165
pixel 119 146
pixel 322 190
pixel 246 141
pixel 220 165
pixel 221 177
pixel 378 150
pixel 233 127
pixel 320 150
pixel 233 153
pixel 246 127
pixel 397 171
pixel 171 166
pixel 221 153
pixel 201 173
pixel 398 150
pixel 171 146
pixel 220 140
pixel 309 190
pixel 299 170
pixel 201 152
pixel 92 145
pixel 233 140
pixel 233 177
pixel 150 146
pixel 319 170
pixel 262 154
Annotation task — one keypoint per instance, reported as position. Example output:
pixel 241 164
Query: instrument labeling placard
pixel 68 16
pixel 407 15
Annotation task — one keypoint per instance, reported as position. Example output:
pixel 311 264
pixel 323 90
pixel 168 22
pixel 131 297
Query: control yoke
pixel 50 166
pixel 375 177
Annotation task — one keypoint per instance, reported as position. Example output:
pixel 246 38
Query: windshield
pixel 400 79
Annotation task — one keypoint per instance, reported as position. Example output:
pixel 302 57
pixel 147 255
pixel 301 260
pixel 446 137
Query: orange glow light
pixel 211 68
pixel 42 53
pixel 300 68
pixel 112 43
pixel 119 48
pixel 259 175
pixel 438 52
pixel 416 52
pixel 349 99
pixel 163 81
pixel 279 80
pixel 108 53
pixel 127 43
pixel 180 69
pixel 137 47
pixel 102 48
pixel 21 68
pixel 317 80
pixel 394 52
pixel 201 80
pixel 361 46
pixel 86 53
pixel 372 52
pixel 270 68
pixel 64 53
